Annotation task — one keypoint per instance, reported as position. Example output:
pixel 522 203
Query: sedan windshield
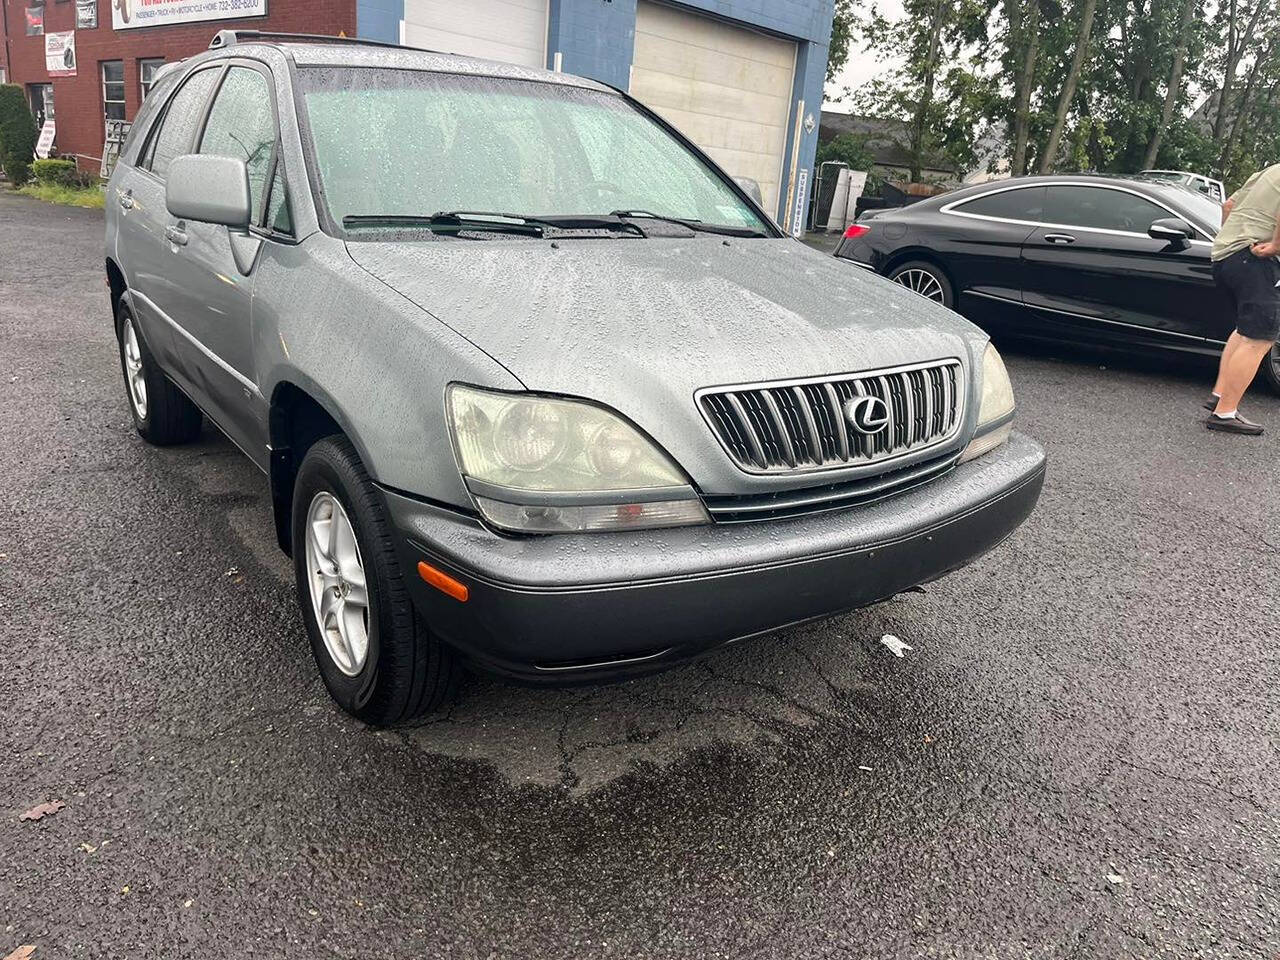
pixel 404 143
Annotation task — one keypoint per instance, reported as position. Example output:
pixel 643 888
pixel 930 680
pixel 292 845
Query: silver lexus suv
pixel 535 384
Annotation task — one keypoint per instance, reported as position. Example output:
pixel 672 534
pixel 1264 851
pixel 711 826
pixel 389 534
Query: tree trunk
pixel 926 92
pixel 1236 42
pixel 1175 80
pixel 1237 121
pixel 1228 73
pixel 1050 155
pixel 1024 81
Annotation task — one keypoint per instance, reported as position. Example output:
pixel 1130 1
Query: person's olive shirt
pixel 1253 218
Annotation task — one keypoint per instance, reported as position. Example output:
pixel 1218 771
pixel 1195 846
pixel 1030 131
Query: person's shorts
pixel 1254 286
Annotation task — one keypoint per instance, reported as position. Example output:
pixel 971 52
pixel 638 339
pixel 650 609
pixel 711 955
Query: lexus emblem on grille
pixel 868 415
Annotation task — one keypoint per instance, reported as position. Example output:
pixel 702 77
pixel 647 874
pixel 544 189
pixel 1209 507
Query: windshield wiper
pixel 453 221
pixel 698 225
pixel 477 220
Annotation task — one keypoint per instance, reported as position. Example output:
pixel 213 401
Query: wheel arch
pixel 118 286
pixel 924 255
pixel 298 415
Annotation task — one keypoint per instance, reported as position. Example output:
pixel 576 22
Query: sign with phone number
pixel 128 14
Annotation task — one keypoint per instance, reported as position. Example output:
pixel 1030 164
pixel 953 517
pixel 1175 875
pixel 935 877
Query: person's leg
pixel 1233 343
pixel 1238 372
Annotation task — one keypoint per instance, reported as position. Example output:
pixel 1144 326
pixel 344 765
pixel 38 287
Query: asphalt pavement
pixel 1079 756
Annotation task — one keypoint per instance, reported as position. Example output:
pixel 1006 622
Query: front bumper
pixel 589 607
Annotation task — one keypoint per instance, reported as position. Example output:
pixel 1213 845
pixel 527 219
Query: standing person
pixel 1245 264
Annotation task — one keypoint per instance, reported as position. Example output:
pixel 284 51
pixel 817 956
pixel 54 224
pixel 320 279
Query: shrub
pixel 57 171
pixel 17 134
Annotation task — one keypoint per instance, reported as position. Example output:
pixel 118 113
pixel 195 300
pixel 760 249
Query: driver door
pixel 1093 269
pixel 215 297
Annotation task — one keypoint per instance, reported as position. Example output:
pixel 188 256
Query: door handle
pixel 1060 238
pixel 176 236
pixel 126 201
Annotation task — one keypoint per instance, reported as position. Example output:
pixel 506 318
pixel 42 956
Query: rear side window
pixel 1101 209
pixel 178 128
pixel 1023 204
pixel 241 125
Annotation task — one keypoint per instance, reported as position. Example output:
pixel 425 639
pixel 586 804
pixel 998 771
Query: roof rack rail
pixel 229 38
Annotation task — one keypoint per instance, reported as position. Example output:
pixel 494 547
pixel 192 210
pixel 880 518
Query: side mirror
pixel 209 189
pixel 1171 229
pixel 752 188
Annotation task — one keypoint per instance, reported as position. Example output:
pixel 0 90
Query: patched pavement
pixel 1078 757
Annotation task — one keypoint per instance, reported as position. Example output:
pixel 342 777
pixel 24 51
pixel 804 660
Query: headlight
pixel 543 465
pixel 995 414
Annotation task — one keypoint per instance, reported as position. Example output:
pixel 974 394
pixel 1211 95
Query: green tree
pixel 842 25
pixel 17 134
pixel 934 89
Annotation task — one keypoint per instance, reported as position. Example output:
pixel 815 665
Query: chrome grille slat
pixel 842 431
pixel 784 437
pixel 800 425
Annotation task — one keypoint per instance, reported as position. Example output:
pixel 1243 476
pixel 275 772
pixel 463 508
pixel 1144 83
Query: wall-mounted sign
pixel 44 146
pixel 86 14
pixel 35 21
pixel 802 200
pixel 128 14
pixel 60 54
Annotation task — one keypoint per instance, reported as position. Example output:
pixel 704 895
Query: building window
pixel 147 74
pixel 113 89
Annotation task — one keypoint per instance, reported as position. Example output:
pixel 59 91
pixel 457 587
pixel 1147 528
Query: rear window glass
pixel 1023 204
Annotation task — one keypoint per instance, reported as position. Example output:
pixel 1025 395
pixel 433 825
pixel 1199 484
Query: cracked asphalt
pixel 1096 699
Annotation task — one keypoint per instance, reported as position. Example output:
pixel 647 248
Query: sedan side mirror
pixel 1172 230
pixel 209 189
pixel 752 189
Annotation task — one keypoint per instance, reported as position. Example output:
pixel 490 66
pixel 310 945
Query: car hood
pixel 640 325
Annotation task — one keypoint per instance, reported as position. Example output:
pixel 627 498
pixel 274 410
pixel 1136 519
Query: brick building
pixel 113 66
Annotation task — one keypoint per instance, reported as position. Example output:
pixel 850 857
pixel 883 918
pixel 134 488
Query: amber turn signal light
pixel 443 582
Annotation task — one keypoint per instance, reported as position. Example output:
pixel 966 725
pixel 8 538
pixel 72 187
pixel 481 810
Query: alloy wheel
pixel 339 593
pixel 922 282
pixel 133 369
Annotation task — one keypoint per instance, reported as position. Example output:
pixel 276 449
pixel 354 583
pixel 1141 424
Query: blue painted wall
pixel 596 38
pixel 379 19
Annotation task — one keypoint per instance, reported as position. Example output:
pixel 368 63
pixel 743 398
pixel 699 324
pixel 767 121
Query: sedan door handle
pixel 1060 238
pixel 126 201
pixel 176 236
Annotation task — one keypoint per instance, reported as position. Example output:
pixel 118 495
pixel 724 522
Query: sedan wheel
pixel 925 279
pixel 339 596
pixel 922 282
pixel 1271 368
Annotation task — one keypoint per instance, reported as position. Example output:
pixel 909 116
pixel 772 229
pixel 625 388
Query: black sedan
pixel 1106 261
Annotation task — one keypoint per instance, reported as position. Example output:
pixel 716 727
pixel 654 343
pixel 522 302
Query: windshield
pixel 410 143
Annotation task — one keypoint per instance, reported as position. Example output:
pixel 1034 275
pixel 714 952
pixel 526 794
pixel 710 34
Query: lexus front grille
pixel 822 423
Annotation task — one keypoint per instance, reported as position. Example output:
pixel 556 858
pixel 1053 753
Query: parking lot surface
pixel 1078 756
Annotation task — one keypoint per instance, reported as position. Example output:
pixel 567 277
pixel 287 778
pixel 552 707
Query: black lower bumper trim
pixel 555 625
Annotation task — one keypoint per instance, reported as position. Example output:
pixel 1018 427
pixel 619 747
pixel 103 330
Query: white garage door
pixel 725 88
pixel 510 30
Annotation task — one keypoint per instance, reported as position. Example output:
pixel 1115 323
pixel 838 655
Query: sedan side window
pixel 1101 209
pixel 241 125
pixel 178 127
pixel 1026 203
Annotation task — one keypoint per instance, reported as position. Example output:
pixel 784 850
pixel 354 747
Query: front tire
pixel 377 657
pixel 162 414
pixel 925 279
